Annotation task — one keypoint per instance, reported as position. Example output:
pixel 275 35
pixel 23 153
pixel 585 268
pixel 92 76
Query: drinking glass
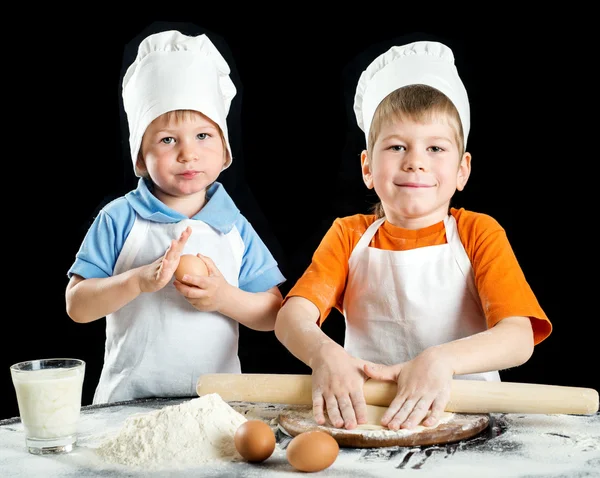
pixel 49 397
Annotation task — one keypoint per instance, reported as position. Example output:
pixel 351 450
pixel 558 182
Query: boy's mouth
pixel 414 185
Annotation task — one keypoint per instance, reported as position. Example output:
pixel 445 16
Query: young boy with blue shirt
pixel 162 334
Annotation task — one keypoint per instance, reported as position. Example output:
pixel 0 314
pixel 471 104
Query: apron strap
pixel 460 255
pixel 131 248
pixel 368 235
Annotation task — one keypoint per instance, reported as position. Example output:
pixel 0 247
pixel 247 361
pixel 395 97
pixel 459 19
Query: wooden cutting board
pixel 453 427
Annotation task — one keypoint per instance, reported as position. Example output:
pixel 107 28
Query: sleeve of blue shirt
pixel 104 241
pixel 259 271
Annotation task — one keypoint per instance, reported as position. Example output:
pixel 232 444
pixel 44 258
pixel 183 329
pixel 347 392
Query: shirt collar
pixel 219 212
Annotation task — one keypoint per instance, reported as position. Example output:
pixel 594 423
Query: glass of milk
pixel 49 396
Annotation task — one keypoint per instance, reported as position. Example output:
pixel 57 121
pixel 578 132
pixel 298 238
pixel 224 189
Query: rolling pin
pixel 466 396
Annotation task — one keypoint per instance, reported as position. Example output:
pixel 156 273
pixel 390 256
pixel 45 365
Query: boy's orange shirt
pixel 503 289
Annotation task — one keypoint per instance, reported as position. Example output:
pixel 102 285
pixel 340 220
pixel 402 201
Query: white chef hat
pixel 422 62
pixel 173 71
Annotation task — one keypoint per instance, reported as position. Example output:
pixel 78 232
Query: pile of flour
pixel 198 431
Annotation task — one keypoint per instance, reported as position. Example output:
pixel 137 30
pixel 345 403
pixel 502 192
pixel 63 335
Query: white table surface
pixel 514 445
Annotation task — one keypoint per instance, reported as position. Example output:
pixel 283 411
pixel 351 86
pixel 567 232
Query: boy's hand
pixel 337 383
pixel 155 276
pixel 423 390
pixel 207 293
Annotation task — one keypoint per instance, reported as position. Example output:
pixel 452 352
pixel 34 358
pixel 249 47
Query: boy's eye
pixel 397 148
pixel 202 135
pixel 436 149
pixel 167 140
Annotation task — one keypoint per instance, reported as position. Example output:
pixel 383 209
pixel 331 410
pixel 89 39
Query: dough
pixel 452 427
pixel 374 414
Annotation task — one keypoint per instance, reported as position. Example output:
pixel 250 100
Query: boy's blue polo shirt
pixel 106 236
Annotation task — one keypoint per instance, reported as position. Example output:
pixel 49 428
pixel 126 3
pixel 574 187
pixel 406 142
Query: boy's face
pixel 182 157
pixel 415 169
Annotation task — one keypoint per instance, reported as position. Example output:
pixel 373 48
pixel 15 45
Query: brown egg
pixel 312 451
pixel 192 265
pixel 254 440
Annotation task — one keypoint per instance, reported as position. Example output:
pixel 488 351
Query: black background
pixel 296 161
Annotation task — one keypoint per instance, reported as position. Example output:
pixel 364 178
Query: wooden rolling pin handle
pixel 474 396
pixel 248 387
pixel 466 396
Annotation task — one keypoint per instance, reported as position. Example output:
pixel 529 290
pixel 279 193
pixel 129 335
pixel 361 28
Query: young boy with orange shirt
pixel 429 293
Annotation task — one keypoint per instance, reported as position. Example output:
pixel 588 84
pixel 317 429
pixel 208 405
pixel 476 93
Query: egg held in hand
pixel 254 440
pixel 311 451
pixel 192 265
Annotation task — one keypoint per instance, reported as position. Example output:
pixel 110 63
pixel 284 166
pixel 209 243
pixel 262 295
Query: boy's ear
pixel 464 171
pixel 140 165
pixel 227 159
pixel 366 169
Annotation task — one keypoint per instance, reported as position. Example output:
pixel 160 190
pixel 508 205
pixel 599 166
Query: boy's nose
pixel 413 162
pixel 187 154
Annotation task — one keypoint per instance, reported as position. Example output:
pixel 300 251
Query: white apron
pixel 398 303
pixel 159 344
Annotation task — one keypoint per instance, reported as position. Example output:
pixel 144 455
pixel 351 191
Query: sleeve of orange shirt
pixel 503 289
pixel 324 281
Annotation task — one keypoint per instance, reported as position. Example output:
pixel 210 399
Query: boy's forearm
pixel 508 344
pixel 256 310
pixel 297 329
pixel 92 299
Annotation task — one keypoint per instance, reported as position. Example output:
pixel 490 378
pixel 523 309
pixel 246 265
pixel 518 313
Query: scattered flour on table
pixel 195 432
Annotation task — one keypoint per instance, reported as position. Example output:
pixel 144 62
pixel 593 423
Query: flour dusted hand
pixel 155 276
pixel 423 390
pixel 338 380
pixel 194 432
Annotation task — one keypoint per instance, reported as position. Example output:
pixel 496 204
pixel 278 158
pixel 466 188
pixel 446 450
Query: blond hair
pixel 418 103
